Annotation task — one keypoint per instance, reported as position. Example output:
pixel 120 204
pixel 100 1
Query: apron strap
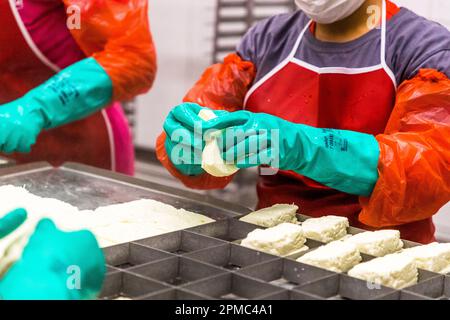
pixel 383 45
pixel 299 40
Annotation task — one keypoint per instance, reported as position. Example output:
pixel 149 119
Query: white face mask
pixel 328 11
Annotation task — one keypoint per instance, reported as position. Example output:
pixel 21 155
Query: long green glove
pixel 184 141
pixel 72 94
pixel 56 265
pixel 343 160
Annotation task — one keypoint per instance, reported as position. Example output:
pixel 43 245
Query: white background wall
pixel 183 33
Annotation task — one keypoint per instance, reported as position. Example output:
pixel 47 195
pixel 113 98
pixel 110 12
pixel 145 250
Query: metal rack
pixel 235 17
pixel 207 262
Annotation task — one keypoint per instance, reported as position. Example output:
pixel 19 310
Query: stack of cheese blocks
pixel 393 266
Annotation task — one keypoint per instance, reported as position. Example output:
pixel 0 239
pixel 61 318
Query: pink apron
pixel 102 139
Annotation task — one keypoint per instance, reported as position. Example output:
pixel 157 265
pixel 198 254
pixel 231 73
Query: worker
pixel 359 95
pixel 63 66
pixel 54 265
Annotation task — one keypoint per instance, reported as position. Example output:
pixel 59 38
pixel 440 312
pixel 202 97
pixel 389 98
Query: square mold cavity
pixel 127 255
pixel 231 256
pixel 323 289
pixel 338 287
pixel 123 285
pixel 231 286
pixel 406 295
pixel 174 294
pixel 434 287
pixel 180 242
pixel 176 271
pixel 285 273
pixel 228 230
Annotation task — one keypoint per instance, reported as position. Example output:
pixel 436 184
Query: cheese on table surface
pixel 281 240
pixel 325 229
pixel 377 243
pixel 433 257
pixel 212 161
pixel 111 225
pixel 394 270
pixel 337 256
pixel 272 216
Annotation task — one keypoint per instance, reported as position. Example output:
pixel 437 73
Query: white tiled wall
pixel 183 34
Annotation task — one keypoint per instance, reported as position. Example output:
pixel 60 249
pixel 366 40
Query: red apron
pixel 357 99
pixel 23 67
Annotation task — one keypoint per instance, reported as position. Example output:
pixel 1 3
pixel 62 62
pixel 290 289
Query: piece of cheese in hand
pixel 272 216
pixel 325 229
pixel 434 257
pixel 337 256
pixel 281 240
pixel 212 161
pixel 394 270
pixel 377 243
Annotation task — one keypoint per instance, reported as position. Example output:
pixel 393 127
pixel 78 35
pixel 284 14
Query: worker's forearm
pixel 74 93
pixel 344 160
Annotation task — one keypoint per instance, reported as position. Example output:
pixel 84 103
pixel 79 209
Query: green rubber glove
pixel 74 93
pixel 56 265
pixel 184 142
pixel 12 221
pixel 340 159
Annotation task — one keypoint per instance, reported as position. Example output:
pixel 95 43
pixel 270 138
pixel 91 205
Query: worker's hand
pixel 344 160
pixel 20 124
pixel 56 265
pixel 184 142
pixel 12 221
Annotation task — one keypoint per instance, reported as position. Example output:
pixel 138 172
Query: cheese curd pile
pixel 111 225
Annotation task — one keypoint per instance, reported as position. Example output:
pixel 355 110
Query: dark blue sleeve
pixel 418 43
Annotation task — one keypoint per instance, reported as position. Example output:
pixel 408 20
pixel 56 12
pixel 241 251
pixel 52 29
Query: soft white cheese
pixel 337 256
pixel 281 240
pixel 377 243
pixel 394 270
pixel 325 229
pixel 111 225
pixel 433 257
pixel 212 161
pixel 272 216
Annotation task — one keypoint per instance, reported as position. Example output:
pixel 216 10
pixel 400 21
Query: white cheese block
pixel 12 245
pixel 272 216
pixel 433 257
pixel 212 161
pixel 337 256
pixel 377 243
pixel 281 240
pixel 394 270
pixel 325 229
